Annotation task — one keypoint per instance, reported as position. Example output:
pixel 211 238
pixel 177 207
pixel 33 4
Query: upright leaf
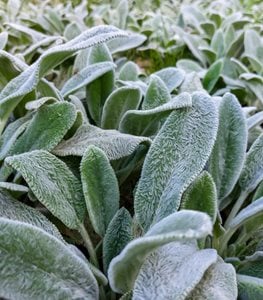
pixel 118 235
pixel 100 188
pixel 53 184
pixel 229 151
pixel 178 154
pixel 201 195
pixel 50 269
pixel 252 172
pixel 156 94
pixel 119 101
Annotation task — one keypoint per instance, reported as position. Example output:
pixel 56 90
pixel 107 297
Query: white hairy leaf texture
pixel 177 155
pixel 252 172
pixel 118 234
pixel 53 184
pixel 229 151
pixel 86 76
pixel 180 226
pixel 114 143
pixel 172 77
pixel 27 81
pixel 250 287
pixel 218 283
pixel 145 122
pixel 172 272
pixel 100 188
pixel 117 104
pixel 41 266
pixel 13 209
pixel 156 94
pixel 47 128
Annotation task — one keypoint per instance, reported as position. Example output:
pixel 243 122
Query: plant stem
pixel 89 245
pixel 236 208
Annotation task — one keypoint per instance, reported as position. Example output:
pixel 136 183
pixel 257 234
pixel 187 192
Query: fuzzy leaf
pixel 229 151
pixel 49 267
pixel 156 94
pixel 178 154
pixel 99 89
pixel 36 104
pixel 212 75
pixel 255 120
pixel 14 187
pixel 191 83
pixel 129 72
pixel 112 142
pixel 46 129
pixel 53 184
pixel 100 188
pixel 250 287
pixel 179 226
pixel 27 81
pixel 253 265
pixel 126 43
pixel 252 172
pixel 15 210
pixel 201 195
pixel 119 101
pixel 118 235
pixel 145 122
pixel 219 282
pixel 251 211
pixel 86 76
pixel 172 77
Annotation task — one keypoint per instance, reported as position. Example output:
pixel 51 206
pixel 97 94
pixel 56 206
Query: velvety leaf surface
pixel 212 76
pixel 229 151
pixel 118 235
pixel 183 225
pixel 47 128
pixel 117 104
pixel 145 122
pixel 53 184
pixel 112 142
pixel 201 195
pixel 50 269
pixel 252 172
pixel 86 76
pixel 100 188
pixel 172 272
pixel 219 283
pixel 171 163
pixel 27 81
pixel 250 287
pixel 13 209
pixel 156 94
pixel 172 77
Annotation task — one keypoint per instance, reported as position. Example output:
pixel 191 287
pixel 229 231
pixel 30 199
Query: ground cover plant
pixel 116 183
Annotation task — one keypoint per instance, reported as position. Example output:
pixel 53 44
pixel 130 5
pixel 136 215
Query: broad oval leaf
pixel 112 142
pixel 53 184
pixel 47 128
pixel 15 210
pixel 156 94
pixel 126 43
pixel 178 154
pixel 229 151
pixel 145 122
pixel 119 101
pixel 255 120
pixel 191 83
pixel 50 269
pixel 201 195
pixel 100 188
pixel 172 272
pixel 129 72
pixel 252 172
pixel 179 226
pixel 118 235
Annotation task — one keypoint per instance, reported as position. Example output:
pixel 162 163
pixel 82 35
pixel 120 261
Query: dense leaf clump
pixel 122 181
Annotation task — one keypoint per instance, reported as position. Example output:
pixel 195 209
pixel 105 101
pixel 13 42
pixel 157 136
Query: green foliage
pixel 127 162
